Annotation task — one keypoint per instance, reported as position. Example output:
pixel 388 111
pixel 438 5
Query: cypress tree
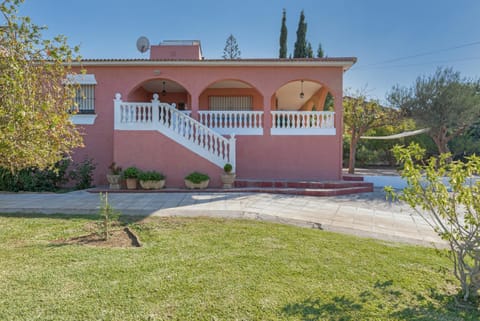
pixel 301 43
pixel 320 53
pixel 309 50
pixel 283 36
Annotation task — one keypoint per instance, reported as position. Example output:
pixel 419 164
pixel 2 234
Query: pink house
pixel 178 112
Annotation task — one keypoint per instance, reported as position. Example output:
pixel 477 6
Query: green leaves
pixel 35 130
pixel 443 102
pixel 447 195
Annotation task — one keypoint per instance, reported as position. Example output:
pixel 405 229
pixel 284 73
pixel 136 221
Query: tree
pixel 309 50
pixel 300 50
pixel 320 53
pixel 446 103
pixel 360 115
pixel 283 36
pixel 231 50
pixel 453 209
pixel 35 129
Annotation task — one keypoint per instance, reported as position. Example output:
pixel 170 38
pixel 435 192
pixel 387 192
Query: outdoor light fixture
pixel 301 92
pixel 164 92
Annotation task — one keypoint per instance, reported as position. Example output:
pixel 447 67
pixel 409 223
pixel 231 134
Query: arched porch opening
pixel 231 95
pixel 303 107
pixel 169 91
pixel 232 106
pixel 303 95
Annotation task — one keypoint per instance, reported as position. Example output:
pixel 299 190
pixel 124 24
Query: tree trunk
pixel 442 143
pixel 353 151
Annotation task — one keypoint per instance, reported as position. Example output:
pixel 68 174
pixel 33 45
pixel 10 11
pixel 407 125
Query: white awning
pixel 81 79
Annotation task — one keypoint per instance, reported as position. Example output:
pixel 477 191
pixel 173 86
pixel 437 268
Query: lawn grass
pixel 211 269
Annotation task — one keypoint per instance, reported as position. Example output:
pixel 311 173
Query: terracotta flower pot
pixel 131 183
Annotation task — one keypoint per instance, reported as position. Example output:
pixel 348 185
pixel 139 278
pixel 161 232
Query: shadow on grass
pixel 339 308
pixel 383 302
pixel 124 219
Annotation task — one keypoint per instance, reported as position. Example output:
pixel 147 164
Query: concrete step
pixel 300 184
pixel 352 177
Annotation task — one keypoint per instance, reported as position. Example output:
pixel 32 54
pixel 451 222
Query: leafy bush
pixel 227 168
pixel 452 209
pixel 34 179
pixel 82 174
pixel 197 177
pixel 131 172
pixel 151 176
pixel 114 169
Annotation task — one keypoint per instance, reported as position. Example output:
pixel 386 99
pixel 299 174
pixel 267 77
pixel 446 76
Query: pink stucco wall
pixel 295 157
pixel 153 151
pixel 175 52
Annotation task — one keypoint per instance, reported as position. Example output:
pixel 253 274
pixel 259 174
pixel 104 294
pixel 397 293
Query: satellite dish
pixel 143 44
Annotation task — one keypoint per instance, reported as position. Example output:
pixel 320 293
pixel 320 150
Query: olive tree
pixel 35 129
pixel 444 102
pixel 361 115
pixel 447 196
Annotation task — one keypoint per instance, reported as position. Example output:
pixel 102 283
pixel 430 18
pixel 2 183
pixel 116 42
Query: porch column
pixel 267 114
pixel 194 104
pixel 338 108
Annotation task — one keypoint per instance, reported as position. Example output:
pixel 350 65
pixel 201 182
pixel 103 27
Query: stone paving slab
pixel 367 214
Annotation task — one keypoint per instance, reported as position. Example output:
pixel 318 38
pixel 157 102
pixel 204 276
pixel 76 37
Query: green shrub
pixel 151 176
pixel 131 172
pixel 452 209
pixel 197 177
pixel 82 174
pixel 227 168
pixel 34 179
pixel 114 169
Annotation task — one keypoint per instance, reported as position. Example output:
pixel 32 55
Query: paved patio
pixel 367 214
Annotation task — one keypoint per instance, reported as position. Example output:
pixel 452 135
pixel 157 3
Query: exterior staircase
pixel 176 125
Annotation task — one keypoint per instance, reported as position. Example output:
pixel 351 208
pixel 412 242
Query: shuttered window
pixel 230 103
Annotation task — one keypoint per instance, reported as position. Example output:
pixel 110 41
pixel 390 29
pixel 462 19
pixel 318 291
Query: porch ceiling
pixel 156 85
pixel 289 95
pixel 229 84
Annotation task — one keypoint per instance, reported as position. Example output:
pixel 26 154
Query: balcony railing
pixel 144 116
pixel 303 123
pixel 233 122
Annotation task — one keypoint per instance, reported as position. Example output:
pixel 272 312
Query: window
pixel 230 103
pixel 85 93
pixel 85 99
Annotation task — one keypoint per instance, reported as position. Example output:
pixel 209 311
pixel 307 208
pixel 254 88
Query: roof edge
pixel 345 62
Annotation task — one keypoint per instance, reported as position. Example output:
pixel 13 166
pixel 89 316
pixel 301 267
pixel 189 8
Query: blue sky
pixel 394 41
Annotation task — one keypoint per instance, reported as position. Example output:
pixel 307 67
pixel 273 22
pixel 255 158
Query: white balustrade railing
pixel 303 123
pixel 176 125
pixel 231 121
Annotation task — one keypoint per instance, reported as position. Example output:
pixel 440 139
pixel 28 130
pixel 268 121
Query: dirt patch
pixel 124 238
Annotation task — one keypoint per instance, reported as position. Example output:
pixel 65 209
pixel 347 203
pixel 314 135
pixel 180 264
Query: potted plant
pixel 197 180
pixel 113 176
pixel 131 175
pixel 151 180
pixel 228 178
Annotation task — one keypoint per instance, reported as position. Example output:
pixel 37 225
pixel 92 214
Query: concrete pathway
pixel 367 214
